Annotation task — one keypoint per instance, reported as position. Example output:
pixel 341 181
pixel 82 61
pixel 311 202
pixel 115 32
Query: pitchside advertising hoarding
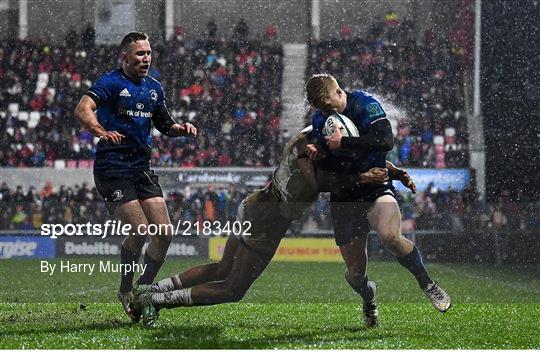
pixel 33 245
pixel 85 246
pixel 36 246
pixel 16 245
pixel 248 178
pixel 443 179
pixel 290 250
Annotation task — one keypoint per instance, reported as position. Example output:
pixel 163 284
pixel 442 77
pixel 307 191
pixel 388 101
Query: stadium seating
pixel 230 91
pixel 239 85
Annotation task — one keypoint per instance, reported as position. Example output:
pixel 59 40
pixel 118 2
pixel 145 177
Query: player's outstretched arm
pixel 85 114
pixel 402 175
pixel 168 126
pixel 185 129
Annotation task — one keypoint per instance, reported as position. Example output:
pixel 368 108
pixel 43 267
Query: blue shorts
pixel 349 211
pixel 118 190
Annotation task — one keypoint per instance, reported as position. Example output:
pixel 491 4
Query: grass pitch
pixel 292 305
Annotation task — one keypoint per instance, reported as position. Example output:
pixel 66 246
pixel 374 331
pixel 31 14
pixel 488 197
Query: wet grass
pixel 293 305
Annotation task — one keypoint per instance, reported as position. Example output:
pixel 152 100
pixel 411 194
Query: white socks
pixel 173 298
pixel 168 284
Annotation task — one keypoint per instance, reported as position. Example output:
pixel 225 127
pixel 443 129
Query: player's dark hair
pixel 132 37
pixel 317 88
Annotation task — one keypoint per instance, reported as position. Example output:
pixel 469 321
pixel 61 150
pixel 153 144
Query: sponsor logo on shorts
pixel 117 195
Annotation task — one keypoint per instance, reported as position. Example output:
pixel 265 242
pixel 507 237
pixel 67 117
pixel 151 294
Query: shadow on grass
pixel 180 336
pixel 212 337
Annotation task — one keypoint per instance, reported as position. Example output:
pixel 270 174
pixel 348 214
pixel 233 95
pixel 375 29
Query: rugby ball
pixel 345 125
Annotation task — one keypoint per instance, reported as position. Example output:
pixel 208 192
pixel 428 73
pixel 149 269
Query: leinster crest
pixel 153 95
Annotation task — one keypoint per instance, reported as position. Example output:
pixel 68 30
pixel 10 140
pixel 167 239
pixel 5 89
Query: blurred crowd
pixel 229 89
pixel 420 85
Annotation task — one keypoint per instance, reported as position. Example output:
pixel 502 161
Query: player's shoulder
pixel 317 119
pixel 112 74
pixel 154 82
pixel 368 103
pixel 362 97
pixel 109 78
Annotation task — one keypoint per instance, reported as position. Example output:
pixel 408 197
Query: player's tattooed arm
pixel 402 175
pixel 307 168
pixel 304 160
pixel 85 114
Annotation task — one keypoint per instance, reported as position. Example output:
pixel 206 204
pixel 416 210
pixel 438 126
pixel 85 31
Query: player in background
pixel 295 185
pixel 371 205
pixel 120 108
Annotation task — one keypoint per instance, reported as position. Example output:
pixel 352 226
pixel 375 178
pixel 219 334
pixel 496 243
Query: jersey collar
pixel 128 78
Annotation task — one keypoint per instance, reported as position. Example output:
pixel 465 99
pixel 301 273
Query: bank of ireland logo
pixel 140 106
pixel 117 195
pixel 153 95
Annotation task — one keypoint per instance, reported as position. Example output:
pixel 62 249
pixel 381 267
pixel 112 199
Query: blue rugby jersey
pixel 363 110
pixel 127 107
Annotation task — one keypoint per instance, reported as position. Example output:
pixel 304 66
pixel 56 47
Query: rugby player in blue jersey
pixel 371 205
pixel 119 109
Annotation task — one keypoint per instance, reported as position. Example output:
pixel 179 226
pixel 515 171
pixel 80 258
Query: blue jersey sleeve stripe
pixel 379 119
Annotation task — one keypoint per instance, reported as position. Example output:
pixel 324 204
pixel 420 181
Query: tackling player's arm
pixel 328 181
pixel 402 175
pixel 85 114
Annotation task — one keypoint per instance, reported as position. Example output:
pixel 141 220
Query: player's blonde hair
pixel 318 87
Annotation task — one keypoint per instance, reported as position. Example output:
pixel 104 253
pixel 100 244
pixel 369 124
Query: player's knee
pixel 162 238
pixel 134 243
pixel 390 241
pixel 222 270
pixel 355 276
pixel 235 294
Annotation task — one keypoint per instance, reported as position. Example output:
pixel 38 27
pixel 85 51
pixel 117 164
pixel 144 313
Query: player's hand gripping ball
pixel 336 127
pixel 343 123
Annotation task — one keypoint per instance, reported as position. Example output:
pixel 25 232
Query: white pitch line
pixel 515 286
